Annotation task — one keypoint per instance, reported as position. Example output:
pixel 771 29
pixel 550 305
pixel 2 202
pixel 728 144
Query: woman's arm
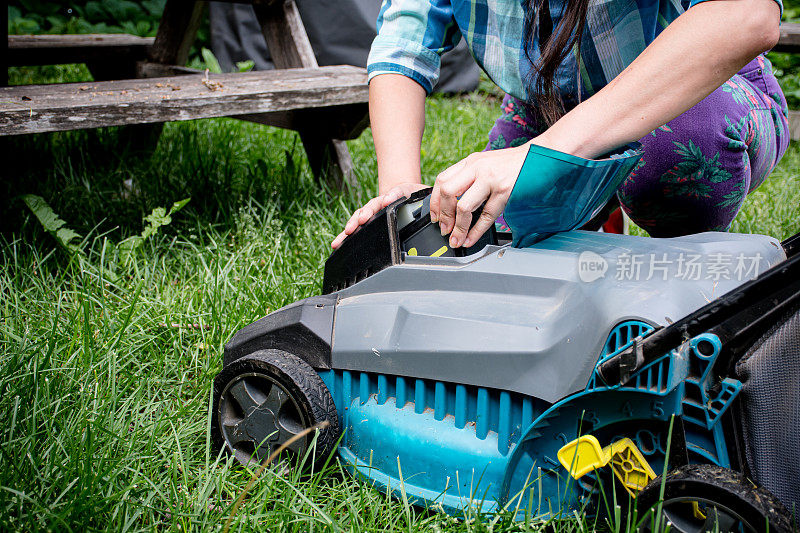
pixel 691 58
pixel 397 119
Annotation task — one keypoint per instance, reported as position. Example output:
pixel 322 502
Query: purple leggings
pixel 697 168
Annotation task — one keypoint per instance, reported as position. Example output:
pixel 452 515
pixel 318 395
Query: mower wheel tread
pixel 722 486
pixel 300 379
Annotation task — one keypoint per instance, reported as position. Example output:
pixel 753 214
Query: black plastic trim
pixel 791 245
pixel 303 328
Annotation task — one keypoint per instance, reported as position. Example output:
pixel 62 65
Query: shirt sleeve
pixel 695 2
pixel 412 34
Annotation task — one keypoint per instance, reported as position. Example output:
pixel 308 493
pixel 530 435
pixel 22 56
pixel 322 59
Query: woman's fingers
pixel 372 207
pixel 392 196
pixel 352 224
pixel 493 208
pixel 469 202
pixel 449 191
pixel 440 179
pixel 362 215
pixel 338 240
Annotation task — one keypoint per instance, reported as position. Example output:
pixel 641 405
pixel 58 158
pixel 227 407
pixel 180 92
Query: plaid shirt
pixel 412 34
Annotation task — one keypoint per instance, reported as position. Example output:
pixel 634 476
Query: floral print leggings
pixel 698 168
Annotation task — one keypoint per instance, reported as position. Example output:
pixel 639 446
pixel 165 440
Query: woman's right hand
pixel 362 215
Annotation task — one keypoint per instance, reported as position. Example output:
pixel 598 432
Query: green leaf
pixel 154 7
pixel 718 175
pixel 95 12
pixel 121 10
pixel 177 206
pixel 245 66
pixel 52 223
pixel 157 218
pixel 211 61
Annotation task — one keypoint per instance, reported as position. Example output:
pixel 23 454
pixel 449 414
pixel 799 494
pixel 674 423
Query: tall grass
pixel 105 383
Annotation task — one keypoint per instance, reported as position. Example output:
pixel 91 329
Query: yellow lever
pixel 584 455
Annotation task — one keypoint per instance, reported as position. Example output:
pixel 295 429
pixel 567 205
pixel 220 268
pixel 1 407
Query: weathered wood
pixel 147 69
pixel 43 108
pixel 328 158
pixel 286 36
pixel 176 32
pixel 790 38
pixel 61 49
pixel 794 125
pixel 4 52
pixel 339 122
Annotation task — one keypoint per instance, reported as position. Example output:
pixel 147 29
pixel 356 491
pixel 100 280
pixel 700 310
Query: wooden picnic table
pixel 144 81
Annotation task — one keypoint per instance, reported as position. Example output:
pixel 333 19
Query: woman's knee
pixel 694 175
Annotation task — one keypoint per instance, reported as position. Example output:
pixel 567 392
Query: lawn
pixel 109 350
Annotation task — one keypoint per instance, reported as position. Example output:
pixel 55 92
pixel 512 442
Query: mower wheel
pixel 264 399
pixel 700 498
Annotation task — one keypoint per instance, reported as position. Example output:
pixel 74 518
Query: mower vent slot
pixel 485 410
pixel 653 378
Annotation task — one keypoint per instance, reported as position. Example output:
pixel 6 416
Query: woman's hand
pixel 461 189
pixel 362 215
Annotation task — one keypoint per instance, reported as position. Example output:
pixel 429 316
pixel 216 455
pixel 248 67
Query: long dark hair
pixel 554 46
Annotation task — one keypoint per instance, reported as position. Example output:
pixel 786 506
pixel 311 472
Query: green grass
pixel 106 382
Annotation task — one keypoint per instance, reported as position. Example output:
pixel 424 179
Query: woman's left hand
pixel 461 189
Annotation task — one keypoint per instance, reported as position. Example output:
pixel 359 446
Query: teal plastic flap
pixel 556 191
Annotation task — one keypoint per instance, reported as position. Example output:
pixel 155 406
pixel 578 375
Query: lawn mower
pixel 538 374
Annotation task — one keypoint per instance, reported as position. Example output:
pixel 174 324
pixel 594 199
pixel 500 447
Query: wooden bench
pixel 275 97
pixel 61 49
pixel 325 105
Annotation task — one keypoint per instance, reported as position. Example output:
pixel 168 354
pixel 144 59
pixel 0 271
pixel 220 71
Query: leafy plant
pixel 71 241
pixel 157 219
pixel 53 224
pixel 212 63
pixel 110 16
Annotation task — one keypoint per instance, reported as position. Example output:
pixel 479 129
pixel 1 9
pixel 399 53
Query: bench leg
pixel 290 48
pixel 329 160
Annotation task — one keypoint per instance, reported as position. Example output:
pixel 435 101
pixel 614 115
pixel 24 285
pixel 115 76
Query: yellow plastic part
pixel 630 466
pixel 437 253
pixel 697 512
pixel 584 455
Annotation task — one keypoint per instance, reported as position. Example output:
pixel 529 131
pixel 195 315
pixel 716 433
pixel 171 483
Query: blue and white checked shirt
pixel 413 33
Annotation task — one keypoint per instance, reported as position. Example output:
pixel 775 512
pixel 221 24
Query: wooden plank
pixel 285 34
pixel 790 38
pixel 176 32
pixel 61 49
pixel 340 122
pixel 147 69
pixel 4 51
pixel 794 125
pixel 45 108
